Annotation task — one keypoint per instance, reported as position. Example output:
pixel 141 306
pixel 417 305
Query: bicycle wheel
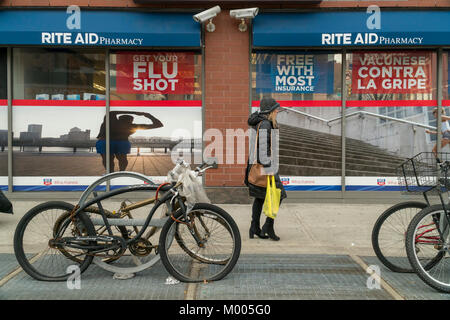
pixel 428 249
pixel 389 232
pixel 32 242
pixel 217 253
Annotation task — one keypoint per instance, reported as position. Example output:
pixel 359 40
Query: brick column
pixel 226 93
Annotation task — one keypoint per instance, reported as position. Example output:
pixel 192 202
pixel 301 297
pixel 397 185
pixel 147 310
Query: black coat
pixel 265 127
pixel 5 204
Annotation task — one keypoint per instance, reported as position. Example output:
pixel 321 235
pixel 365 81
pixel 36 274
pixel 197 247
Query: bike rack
pixel 122 272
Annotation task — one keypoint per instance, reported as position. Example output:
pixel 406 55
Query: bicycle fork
pixel 443 222
pixel 190 224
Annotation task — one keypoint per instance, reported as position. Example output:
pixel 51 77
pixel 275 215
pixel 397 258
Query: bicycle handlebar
pixel 203 167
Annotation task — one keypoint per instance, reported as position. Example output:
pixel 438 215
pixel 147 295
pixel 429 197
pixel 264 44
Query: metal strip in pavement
pixel 10 275
pixel 383 283
pixel 16 271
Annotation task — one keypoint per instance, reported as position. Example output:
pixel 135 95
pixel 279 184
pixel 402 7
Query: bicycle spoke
pixel 389 241
pixel 34 236
pixel 427 251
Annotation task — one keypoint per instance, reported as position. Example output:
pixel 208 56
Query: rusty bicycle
pixel 197 241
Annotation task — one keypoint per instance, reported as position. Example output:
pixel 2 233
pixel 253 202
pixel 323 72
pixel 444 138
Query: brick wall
pixel 226 90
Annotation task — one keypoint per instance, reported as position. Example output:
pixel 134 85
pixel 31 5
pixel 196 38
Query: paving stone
pixel 298 277
pixel 255 277
pixel 8 264
pixel 408 285
pixel 96 284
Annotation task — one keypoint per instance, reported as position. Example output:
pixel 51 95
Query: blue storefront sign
pixel 294 73
pixel 350 28
pixel 98 29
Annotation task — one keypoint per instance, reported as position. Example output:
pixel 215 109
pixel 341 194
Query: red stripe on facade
pixel 102 103
pixel 3 102
pixel 392 103
pixel 304 103
pixel 157 103
pixel 357 103
pixel 59 103
pixel 446 103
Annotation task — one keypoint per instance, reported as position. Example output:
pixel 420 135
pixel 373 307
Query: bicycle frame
pixel 158 202
pixel 97 200
pixel 444 220
pixel 428 239
pixel 172 194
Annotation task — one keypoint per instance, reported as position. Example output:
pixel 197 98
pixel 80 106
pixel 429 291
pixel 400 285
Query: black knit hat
pixel 267 105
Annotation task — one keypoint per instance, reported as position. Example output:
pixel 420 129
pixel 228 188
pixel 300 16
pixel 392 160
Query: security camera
pixel 244 13
pixel 207 14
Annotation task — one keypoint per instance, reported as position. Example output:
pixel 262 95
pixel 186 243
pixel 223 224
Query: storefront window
pixel 392 75
pixel 160 94
pixel 150 76
pixel 445 87
pixel 3 121
pixel 58 74
pixel 58 108
pixel 308 84
pixel 296 75
pixel 391 96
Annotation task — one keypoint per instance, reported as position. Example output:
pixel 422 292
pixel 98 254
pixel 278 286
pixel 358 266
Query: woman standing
pixel 445 129
pixel 263 122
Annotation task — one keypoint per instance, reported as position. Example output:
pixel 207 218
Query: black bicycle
pixel 390 229
pixel 198 242
pixel 428 234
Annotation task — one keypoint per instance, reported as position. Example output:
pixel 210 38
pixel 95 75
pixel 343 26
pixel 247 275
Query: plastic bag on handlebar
pixel 192 188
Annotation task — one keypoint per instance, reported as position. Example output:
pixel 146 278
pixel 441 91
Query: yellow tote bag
pixel 272 201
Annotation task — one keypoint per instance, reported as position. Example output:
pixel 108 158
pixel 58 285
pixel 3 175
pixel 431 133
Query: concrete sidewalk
pixel 315 228
pixel 324 252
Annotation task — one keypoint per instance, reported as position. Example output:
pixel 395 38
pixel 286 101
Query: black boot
pixel 255 228
pixel 268 229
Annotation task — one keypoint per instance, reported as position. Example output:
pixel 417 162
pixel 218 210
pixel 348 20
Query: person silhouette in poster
pixel 121 128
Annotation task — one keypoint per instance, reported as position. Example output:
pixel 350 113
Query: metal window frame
pixel 343 119
pixel 107 109
pixel 10 117
pixel 439 85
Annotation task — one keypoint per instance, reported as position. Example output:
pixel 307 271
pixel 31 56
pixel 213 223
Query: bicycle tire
pixel 26 262
pixel 166 241
pixel 412 250
pixel 403 212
